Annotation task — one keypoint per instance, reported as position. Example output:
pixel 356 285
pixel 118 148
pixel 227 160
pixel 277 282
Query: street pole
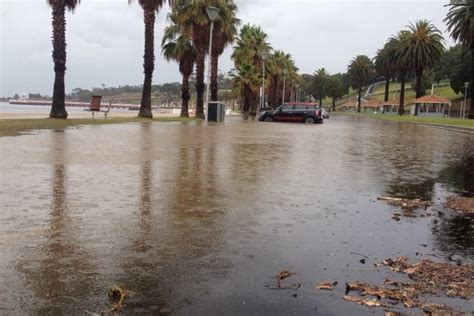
pixel 212 13
pixel 264 56
pixel 466 84
pixel 263 85
pixel 209 71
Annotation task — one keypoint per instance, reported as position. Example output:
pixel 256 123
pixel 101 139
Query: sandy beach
pixel 11 111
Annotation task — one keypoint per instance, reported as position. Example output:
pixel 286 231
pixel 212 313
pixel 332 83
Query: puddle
pixel 196 219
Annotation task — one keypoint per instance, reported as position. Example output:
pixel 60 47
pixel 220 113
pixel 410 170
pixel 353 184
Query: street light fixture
pixel 212 14
pixel 263 56
pixel 285 72
pixel 463 107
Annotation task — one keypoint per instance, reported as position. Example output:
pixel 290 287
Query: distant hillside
pixel 379 93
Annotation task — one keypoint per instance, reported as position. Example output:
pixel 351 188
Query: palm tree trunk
pixel 271 93
pixel 185 96
pixel 247 99
pixel 214 85
pixel 387 88
pixel 58 108
pixel 200 56
pixel 359 93
pixel 401 107
pixel 334 104
pixel 149 62
pixel 254 102
pixel 418 73
pixel 276 92
pixel 320 100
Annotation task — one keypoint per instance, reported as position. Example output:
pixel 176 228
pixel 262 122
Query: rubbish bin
pixel 215 111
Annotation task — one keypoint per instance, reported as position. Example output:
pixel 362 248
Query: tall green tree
pixel 150 7
pixel 320 83
pixel 306 86
pixel 384 66
pixel 58 108
pixel 360 70
pixel 246 82
pixel 192 16
pixel 224 34
pixel 282 72
pixel 250 44
pixel 177 46
pixel 460 21
pixel 335 89
pixel 276 65
pixel 422 47
pixel 455 65
pixel 401 64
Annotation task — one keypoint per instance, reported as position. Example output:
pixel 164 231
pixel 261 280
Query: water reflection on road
pixel 196 218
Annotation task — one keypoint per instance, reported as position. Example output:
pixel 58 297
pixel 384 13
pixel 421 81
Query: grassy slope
pixel 445 92
pixel 12 127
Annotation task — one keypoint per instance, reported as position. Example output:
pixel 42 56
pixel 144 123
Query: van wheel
pixel 309 120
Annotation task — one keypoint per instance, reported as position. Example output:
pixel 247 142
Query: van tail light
pixel 318 113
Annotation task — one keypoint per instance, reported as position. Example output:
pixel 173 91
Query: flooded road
pixel 197 219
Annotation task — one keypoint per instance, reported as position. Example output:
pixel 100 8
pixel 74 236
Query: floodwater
pixel 197 219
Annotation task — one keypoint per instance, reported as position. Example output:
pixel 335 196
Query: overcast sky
pixel 105 38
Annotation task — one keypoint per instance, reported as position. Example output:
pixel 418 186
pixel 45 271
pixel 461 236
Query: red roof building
pixel 432 99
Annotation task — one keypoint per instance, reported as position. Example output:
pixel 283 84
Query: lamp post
pixel 463 108
pixel 264 57
pixel 212 14
pixel 285 71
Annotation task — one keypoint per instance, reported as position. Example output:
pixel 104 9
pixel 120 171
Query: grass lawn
pixel 12 127
pixel 422 120
pixel 445 92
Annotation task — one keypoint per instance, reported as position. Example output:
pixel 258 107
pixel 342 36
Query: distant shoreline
pixel 126 106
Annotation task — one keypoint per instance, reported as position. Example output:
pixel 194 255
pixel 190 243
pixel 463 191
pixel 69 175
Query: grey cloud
pixel 105 38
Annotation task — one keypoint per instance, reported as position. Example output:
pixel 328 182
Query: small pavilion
pixel 370 106
pixel 432 106
pixel 390 106
pixel 350 106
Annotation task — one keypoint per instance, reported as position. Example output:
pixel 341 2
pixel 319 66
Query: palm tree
pixel 320 82
pixel 422 47
pixel 225 31
pixel 400 62
pixel 335 89
pixel 193 18
pixel 460 21
pixel 246 81
pixel 58 108
pixel 277 63
pixel 384 66
pixel 150 7
pixel 360 70
pixel 178 47
pixel 282 71
pixel 250 45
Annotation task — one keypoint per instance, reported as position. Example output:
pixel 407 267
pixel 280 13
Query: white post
pixel 263 86
pixel 209 72
pixel 466 84
pixel 262 90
